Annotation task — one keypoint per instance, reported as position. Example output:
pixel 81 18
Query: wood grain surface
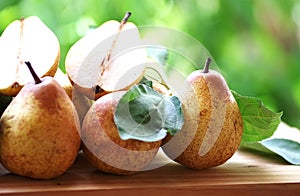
pixel 245 173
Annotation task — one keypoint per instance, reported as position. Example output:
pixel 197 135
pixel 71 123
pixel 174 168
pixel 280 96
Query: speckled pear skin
pixel 103 146
pixel 217 132
pixel 39 131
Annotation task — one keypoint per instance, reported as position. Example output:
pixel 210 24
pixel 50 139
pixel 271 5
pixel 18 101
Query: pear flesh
pixel 23 40
pixel 103 146
pixel 213 125
pixel 109 57
pixel 64 82
pixel 39 131
pixel 82 103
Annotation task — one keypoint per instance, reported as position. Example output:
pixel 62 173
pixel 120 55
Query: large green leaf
pixel 146 115
pixel 287 149
pixel 261 130
pixel 259 122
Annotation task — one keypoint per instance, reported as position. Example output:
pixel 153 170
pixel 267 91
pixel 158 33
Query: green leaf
pixel 257 146
pixel 261 133
pixel 146 115
pixel 159 54
pixel 259 122
pixel 287 149
pixel 174 118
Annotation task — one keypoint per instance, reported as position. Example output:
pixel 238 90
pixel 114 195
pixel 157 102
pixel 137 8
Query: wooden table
pixel 245 173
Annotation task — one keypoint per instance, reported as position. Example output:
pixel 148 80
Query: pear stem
pixel 34 75
pixel 126 17
pixel 207 63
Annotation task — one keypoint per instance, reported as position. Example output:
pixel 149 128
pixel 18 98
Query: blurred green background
pixel 254 42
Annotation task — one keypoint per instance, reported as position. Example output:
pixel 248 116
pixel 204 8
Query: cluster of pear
pixel 103 72
pixel 39 128
pixel 48 120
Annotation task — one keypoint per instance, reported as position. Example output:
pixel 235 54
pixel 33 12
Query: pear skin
pixel 213 130
pixel 39 131
pixel 103 146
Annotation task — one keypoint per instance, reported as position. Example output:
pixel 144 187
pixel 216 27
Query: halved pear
pixel 107 59
pixel 80 101
pixel 82 104
pixel 23 40
pixel 64 82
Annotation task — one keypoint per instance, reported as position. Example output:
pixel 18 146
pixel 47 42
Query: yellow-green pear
pixel 213 125
pixel 39 130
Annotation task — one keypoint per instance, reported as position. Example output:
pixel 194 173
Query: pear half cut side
pixel 108 57
pixel 27 39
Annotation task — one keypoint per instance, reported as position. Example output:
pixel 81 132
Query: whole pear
pixel 213 125
pixel 103 146
pixel 39 130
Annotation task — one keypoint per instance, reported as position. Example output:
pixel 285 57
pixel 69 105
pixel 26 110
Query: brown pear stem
pixel 125 19
pixel 34 75
pixel 207 63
